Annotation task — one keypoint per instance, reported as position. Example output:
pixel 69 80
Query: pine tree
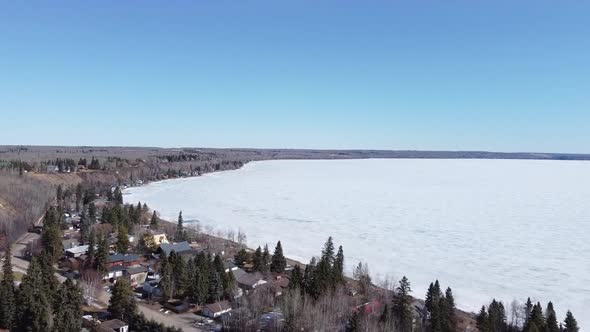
pixel 33 300
pixel 122 303
pixel 241 257
pixel 118 195
pixel 536 317
pixel 328 251
pixel 402 306
pixel 551 323
pixel 482 321
pixel 101 259
pixel 528 308
pixel 122 240
pixel 278 262
pixel 257 262
pixel 180 235
pixel 571 325
pixel 7 292
pixel 265 259
pixel 449 318
pixel 91 249
pixel 296 281
pixel 68 313
pixel 338 268
pixel 154 221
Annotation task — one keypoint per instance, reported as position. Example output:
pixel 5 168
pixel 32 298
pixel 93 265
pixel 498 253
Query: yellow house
pixel 160 238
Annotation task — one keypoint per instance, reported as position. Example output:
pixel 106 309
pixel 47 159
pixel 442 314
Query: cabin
pixel 178 247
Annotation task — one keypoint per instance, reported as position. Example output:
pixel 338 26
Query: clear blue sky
pixel 437 75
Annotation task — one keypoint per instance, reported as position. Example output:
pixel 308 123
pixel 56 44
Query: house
pixel 114 325
pixel 160 238
pixel 124 260
pixel 78 251
pixel 249 281
pixel 52 169
pixel 279 284
pixel 136 274
pixel 217 309
pixel 178 247
pixel 115 272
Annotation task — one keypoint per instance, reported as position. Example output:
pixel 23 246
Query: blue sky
pixel 437 75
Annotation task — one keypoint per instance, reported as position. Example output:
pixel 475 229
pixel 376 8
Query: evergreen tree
pixel 122 240
pixel 122 303
pixel 101 259
pixel 33 300
pixel 402 306
pixel 92 212
pixel 449 318
pixel 338 268
pixel 241 258
pixel 571 325
pixel 154 221
pixel 482 321
pixel 7 292
pixel 257 262
pixel 278 262
pixel 167 279
pixel 296 281
pixel 118 196
pixel 265 259
pixel 328 251
pixel 536 317
pixel 68 313
pixel 528 308
pixel 551 323
pixel 215 286
pixel 91 252
pixel 180 235
pixel 497 316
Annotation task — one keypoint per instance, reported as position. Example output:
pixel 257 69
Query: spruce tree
pixel 257 262
pixel 33 300
pixel 482 322
pixel 278 262
pixel 265 259
pixel 449 319
pixel 122 304
pixel 68 313
pixel 180 235
pixel 551 323
pixel 7 292
pixel 122 240
pixel 402 306
pixel 537 317
pixel 571 325
pixel 296 281
pixel 101 259
pixel 338 268
pixel 154 221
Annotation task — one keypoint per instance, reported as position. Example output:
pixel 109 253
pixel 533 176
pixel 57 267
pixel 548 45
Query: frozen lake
pixel 488 228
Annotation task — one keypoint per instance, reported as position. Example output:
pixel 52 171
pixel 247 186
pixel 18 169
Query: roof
pixel 218 306
pixel 249 279
pixel 116 268
pixel 114 324
pixel 124 258
pixel 178 247
pixel 136 269
pixel 78 249
pixel 238 273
